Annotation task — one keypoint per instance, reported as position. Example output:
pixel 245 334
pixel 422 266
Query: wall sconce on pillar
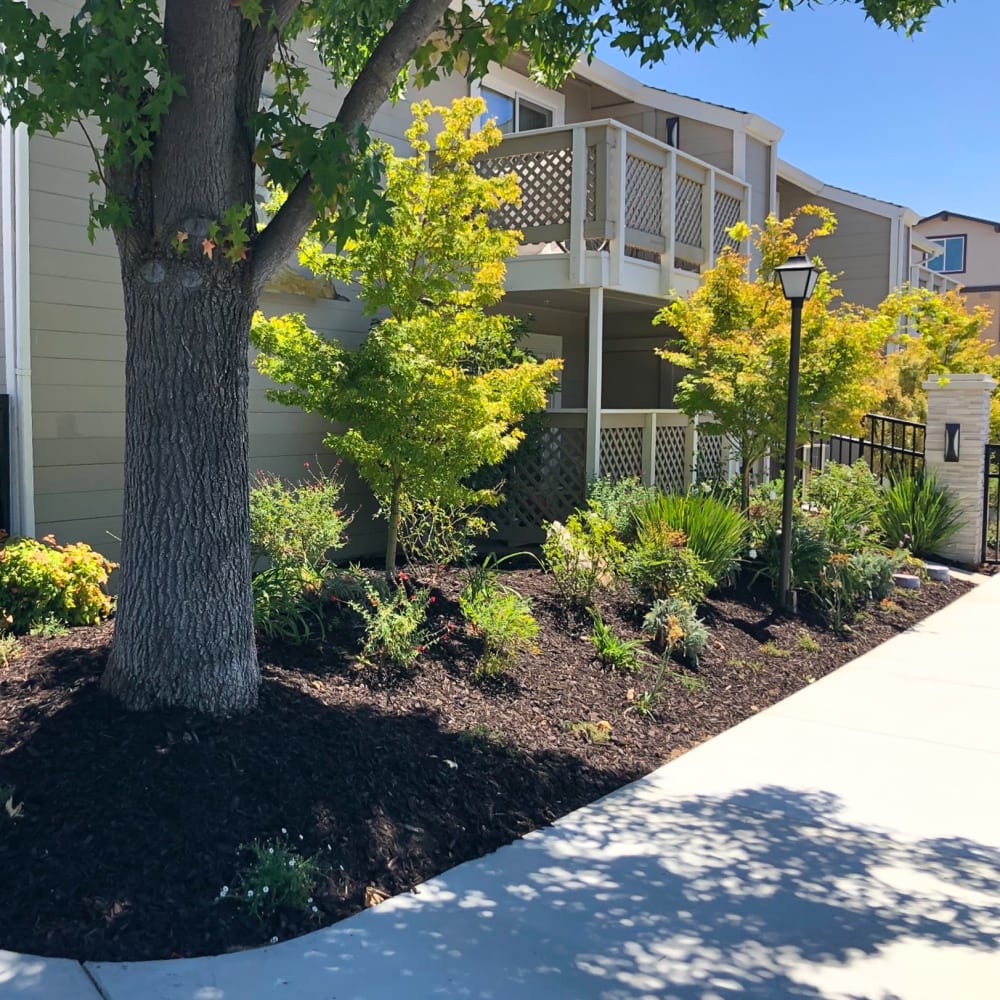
pixel 952 433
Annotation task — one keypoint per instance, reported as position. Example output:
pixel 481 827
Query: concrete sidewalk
pixel 844 844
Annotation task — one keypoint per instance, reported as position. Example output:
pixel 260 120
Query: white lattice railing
pixel 604 187
pixel 922 276
pixel 545 480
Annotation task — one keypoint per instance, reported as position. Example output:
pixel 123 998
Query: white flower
pixel 301 837
pixel 265 890
pixel 274 940
pixel 249 893
pixel 270 850
pixel 283 830
pixel 291 862
pixel 223 892
pixel 752 553
pixel 315 909
pixel 309 900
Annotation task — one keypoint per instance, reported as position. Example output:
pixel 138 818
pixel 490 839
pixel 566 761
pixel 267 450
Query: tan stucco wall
pixel 859 250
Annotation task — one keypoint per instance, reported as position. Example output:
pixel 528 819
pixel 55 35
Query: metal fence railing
pixel 888 445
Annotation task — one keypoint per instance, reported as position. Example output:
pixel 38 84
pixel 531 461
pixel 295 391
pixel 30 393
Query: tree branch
pixel 275 243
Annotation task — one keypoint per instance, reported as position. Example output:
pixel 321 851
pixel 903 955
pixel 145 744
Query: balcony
pixel 603 205
pixel 922 276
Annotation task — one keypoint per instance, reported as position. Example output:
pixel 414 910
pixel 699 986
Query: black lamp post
pixel 798 279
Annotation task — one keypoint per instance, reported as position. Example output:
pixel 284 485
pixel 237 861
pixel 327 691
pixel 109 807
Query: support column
pixel 962 400
pixel 595 370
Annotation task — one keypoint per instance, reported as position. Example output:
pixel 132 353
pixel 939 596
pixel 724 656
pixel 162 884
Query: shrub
pixel 395 626
pixel 617 501
pixel 612 650
pixel 919 514
pixel 676 627
pixel 592 732
pixel 660 565
pixel 273 876
pixel 8 648
pixel 850 581
pixel 851 500
pixel 296 524
pixel 503 618
pixel 437 534
pixel 582 555
pixel 41 582
pixel 715 532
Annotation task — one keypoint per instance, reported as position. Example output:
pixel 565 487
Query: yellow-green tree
pixel 932 334
pixel 423 409
pixel 732 337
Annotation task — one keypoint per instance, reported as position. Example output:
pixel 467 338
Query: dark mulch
pixel 132 823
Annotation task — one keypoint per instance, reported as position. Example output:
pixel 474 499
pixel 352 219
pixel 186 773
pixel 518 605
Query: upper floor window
pixel 514 114
pixel 952 258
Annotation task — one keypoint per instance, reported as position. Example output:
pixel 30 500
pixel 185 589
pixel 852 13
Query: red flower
pixel 432 600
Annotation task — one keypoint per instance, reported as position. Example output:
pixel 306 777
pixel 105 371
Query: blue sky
pixel 910 120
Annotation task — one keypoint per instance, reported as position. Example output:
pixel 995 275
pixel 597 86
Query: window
pixel 513 114
pixel 952 258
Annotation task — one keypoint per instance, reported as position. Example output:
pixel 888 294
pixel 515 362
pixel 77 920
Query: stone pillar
pixel 963 400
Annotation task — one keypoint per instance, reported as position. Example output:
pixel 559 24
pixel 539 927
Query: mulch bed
pixel 132 823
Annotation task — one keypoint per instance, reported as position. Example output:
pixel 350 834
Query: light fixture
pixel 952 433
pixel 798 279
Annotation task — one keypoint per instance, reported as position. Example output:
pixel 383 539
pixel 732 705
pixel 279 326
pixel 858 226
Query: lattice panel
pixel 687 212
pixel 710 460
pixel 669 455
pixel 643 196
pixel 545 179
pixel 621 452
pixel 727 214
pixel 544 482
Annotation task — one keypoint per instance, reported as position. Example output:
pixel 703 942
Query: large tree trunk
pixel 184 630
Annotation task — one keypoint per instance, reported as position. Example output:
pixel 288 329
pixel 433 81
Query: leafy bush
pixel 851 500
pixel 436 533
pixel 296 524
pixel 395 626
pixel 612 650
pixel 919 514
pixel 273 875
pixel 715 532
pixel 661 565
pixel 850 581
pixel 41 582
pixel 582 555
pixel 617 501
pixel 503 618
pixel 8 648
pixel 676 627
pixel 592 732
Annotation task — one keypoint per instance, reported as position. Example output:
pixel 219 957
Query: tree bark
pixel 184 628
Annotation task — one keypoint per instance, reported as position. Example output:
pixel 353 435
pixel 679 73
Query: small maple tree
pixel 423 411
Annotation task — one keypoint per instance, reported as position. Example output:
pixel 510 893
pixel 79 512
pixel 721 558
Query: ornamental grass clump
pixel 613 651
pixel 500 615
pixel 715 532
pixel 42 582
pixel 274 876
pixel 919 514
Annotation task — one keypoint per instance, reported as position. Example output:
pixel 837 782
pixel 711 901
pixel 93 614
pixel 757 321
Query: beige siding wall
pixel 708 142
pixel 992 301
pixel 78 344
pixel 858 250
pixel 759 178
pixel 982 247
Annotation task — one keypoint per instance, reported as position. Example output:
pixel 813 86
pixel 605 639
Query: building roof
pixel 945 216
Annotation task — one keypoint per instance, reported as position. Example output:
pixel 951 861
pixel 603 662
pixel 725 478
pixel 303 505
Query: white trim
pixel 613 79
pixel 788 172
pixel 14 165
pixel 595 364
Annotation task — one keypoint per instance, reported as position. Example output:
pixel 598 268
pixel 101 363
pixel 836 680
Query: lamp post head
pixel 798 277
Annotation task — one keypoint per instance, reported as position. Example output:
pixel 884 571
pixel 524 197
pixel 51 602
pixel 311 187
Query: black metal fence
pixel 889 445
pixel 991 507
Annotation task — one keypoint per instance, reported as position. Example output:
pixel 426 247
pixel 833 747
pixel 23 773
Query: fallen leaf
pixel 374 896
pixel 208 247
